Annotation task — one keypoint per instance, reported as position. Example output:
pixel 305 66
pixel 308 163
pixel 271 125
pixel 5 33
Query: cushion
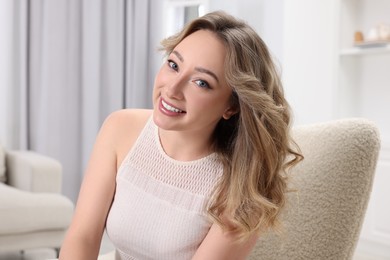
pixel 23 211
pixel 2 165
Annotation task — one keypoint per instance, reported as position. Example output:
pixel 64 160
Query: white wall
pixel 266 17
pixel 309 58
pixel 303 43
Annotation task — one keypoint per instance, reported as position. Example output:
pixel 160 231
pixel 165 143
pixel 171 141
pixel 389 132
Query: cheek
pixel 162 77
pixel 156 87
pixel 158 79
pixel 212 104
pixel 158 84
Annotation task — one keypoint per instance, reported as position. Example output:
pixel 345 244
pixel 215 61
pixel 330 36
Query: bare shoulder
pixel 128 118
pixel 123 127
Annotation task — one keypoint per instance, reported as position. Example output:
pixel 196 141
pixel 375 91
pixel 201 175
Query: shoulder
pixel 123 127
pixel 126 121
pixel 128 117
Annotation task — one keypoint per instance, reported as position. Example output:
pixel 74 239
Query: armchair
pixel 330 192
pixel 333 185
pixel 33 213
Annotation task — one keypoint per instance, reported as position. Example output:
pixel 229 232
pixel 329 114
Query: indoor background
pixel 66 64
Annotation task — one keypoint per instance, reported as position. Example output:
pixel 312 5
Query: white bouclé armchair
pixel 331 188
pixel 33 213
pixel 333 184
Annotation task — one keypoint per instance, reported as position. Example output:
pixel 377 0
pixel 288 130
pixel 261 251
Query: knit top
pixel 158 210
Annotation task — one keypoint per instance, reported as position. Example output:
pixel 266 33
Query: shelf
pixel 365 50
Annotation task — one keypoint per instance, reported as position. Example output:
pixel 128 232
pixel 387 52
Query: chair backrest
pixel 2 165
pixel 324 216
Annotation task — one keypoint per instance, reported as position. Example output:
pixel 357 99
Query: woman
pixel 202 175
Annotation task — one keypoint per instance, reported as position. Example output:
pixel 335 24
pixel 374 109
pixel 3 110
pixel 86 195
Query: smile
pixel 171 108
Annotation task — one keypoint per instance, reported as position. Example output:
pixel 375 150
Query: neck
pixel 184 146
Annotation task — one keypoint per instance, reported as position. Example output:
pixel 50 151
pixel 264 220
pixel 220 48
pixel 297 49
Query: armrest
pixel 30 171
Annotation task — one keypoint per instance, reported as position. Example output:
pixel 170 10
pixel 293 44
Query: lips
pixel 171 108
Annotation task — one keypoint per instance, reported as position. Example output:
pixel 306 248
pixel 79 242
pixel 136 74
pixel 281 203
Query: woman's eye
pixel 202 83
pixel 172 65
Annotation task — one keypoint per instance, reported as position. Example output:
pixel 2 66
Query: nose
pixel 175 88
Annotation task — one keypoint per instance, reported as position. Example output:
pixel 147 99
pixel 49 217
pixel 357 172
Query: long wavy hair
pixel 254 144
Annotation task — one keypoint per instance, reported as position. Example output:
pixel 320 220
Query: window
pixel 180 12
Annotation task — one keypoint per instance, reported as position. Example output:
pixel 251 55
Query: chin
pixel 158 120
pixel 162 122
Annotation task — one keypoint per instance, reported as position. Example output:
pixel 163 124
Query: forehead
pixel 203 47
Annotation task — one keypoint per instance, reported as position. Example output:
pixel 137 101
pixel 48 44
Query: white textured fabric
pixel 323 218
pixel 158 210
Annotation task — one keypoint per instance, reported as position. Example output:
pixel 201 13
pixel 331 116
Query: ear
pixel 229 112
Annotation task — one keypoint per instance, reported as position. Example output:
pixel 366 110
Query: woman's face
pixel 190 90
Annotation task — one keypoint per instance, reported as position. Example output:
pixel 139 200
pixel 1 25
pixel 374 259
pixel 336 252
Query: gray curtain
pixel 79 61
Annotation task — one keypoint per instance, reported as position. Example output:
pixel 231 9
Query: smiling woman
pixel 192 81
pixel 202 174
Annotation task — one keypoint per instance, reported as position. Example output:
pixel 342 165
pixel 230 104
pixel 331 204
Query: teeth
pixel 170 108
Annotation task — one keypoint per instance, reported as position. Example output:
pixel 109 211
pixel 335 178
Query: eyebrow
pixel 199 69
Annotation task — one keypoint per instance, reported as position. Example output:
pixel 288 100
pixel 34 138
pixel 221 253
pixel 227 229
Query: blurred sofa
pixel 33 212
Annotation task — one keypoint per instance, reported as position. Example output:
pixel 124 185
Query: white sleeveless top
pixel 158 210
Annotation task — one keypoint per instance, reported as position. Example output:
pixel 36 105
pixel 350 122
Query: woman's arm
pixel 221 245
pixel 115 138
pixel 85 232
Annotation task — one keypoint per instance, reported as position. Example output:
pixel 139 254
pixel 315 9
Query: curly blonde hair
pixel 255 144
